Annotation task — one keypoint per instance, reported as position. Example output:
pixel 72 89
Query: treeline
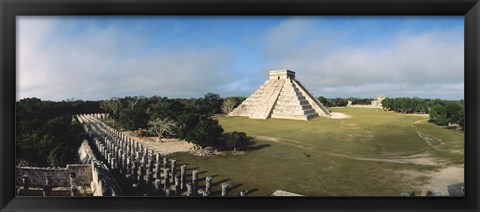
pixel 342 102
pixel 45 133
pixel 187 119
pixel 442 112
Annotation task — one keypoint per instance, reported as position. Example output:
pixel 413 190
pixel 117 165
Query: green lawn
pixel 324 157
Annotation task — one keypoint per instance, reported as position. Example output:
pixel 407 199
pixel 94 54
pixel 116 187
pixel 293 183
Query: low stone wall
pixel 60 176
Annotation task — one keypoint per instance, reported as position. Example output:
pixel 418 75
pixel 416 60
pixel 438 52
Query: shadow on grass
pixel 252 191
pixel 191 169
pixel 253 147
pixel 216 183
pixel 236 186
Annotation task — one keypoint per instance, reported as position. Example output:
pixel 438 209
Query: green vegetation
pixel 442 112
pixel 367 154
pixel 340 102
pixel 46 135
pixel 188 119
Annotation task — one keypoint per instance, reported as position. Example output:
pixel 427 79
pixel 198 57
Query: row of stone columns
pixel 137 167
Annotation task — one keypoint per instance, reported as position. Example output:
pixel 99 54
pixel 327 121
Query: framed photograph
pixel 257 105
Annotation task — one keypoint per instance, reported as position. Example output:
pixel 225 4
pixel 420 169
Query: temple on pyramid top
pixel 281 74
pixel 283 97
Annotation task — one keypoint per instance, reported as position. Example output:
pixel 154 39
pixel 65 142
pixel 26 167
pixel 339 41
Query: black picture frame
pixel 470 9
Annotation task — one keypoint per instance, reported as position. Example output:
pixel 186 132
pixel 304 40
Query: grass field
pixel 372 153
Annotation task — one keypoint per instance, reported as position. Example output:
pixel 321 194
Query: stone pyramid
pixel 283 97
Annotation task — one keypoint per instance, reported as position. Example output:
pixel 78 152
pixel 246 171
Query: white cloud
pixel 99 63
pixel 407 64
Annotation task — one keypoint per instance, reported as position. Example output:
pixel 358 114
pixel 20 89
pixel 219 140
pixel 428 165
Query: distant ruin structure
pixel 282 97
pixel 377 103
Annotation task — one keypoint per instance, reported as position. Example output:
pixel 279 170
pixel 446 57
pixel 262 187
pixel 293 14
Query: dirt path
pixel 164 148
pixel 446 176
pixel 420 159
pixel 336 115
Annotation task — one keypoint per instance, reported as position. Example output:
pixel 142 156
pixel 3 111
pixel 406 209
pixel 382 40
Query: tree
pixel 210 104
pixel 454 112
pixel 206 132
pixel 228 105
pixel 323 100
pixel 112 107
pixel 236 139
pixel 162 126
pixel 438 115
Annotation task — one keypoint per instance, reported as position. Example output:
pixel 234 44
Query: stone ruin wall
pixel 91 173
pixel 377 103
pixel 60 177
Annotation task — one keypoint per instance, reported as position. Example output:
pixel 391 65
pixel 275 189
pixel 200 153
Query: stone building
pixel 377 103
pixel 283 97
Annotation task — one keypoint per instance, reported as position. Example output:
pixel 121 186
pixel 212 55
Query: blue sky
pixel 93 58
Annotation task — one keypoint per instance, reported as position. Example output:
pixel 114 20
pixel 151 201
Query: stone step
pixel 292 107
pixel 291 91
pixel 286 98
pixel 296 117
pixel 297 111
pixel 292 102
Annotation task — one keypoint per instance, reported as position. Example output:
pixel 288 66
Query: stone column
pixel 135 170
pixel 158 187
pixel 157 171
pixel 109 158
pixel 137 157
pixel 206 193
pixel 243 193
pixel 73 184
pixel 168 192
pixel 129 165
pixel 47 188
pixel 225 189
pixel 166 176
pixel 157 160
pixel 113 164
pixel 178 191
pixel 141 181
pixel 128 184
pixel 115 152
pixel 183 176
pixel 208 184
pixel 174 169
pixel 128 150
pixel 195 182
pixel 149 183
pixel 189 189
pixel 165 161
pixel 124 162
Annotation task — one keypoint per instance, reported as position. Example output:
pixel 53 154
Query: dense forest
pixel 45 132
